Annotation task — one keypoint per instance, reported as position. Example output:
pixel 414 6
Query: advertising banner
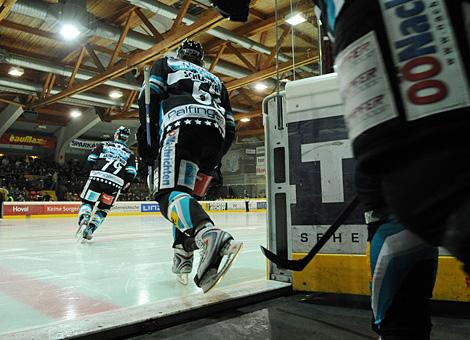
pixel 261 205
pixel 217 205
pixel 126 207
pixel 22 139
pixel 27 209
pixel 83 144
pixel 150 207
pixel 235 205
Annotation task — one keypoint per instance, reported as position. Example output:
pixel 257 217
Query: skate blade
pixel 232 253
pixel 182 278
pixel 79 233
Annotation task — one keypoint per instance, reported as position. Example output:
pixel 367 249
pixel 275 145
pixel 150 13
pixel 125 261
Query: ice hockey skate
pixel 87 234
pixel 82 224
pixel 215 244
pixel 182 264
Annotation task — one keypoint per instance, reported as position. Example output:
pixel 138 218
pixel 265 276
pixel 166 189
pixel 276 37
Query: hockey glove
pixel 148 153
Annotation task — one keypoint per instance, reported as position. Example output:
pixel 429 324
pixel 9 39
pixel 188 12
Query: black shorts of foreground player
pixel 191 128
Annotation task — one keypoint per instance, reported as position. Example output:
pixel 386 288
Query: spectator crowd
pixel 36 179
pixel 28 179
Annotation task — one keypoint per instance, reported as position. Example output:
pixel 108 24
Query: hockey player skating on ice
pixel 113 167
pixel 191 128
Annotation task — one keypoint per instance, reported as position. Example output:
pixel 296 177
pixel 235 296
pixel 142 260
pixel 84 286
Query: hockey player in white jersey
pixel 113 167
pixel 191 128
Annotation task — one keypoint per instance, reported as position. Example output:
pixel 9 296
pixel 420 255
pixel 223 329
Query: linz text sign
pixel 149 207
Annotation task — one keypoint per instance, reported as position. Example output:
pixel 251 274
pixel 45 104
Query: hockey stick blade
pixel 299 265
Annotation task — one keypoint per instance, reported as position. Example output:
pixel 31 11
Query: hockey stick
pixel 147 123
pixel 299 265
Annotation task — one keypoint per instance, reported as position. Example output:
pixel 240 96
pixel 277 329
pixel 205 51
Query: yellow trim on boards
pixel 348 274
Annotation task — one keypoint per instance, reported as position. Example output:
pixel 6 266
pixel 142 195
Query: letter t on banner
pixel 330 155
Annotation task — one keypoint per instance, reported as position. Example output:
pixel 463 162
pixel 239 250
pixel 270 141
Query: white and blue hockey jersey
pixel 112 163
pixel 183 93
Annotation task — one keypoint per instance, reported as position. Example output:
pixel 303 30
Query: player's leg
pixel 84 212
pixel 107 200
pixel 402 266
pixel 178 206
pixel 182 259
pixel 193 228
pixel 403 271
pixel 98 218
pixel 219 249
pixel 186 215
pixel 89 196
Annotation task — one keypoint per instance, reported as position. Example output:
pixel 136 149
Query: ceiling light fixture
pixel 16 71
pixel 69 31
pixel 260 86
pixel 295 19
pixel 75 113
pixel 115 94
pixel 245 120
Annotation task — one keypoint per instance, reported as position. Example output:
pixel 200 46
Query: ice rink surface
pixel 47 276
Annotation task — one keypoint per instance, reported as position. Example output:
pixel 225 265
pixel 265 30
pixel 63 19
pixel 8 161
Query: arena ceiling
pixel 117 37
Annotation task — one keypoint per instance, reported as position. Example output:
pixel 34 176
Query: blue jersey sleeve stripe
pixel 157 79
pixel 159 85
pixel 154 88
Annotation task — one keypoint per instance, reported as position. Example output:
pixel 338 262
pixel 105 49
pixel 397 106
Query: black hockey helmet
pixel 122 134
pixel 191 51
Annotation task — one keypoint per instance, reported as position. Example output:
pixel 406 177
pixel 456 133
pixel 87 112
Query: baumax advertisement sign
pixel 20 139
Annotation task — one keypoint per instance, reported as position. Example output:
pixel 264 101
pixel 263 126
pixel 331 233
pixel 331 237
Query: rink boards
pixel 311 176
pixel 68 209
